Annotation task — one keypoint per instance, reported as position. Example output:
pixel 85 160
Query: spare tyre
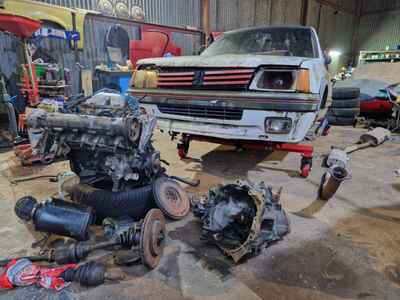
pixel 346 103
pixel 344 112
pixel 340 121
pixel 345 93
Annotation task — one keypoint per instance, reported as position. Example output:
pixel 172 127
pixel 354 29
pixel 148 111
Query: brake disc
pixel 171 198
pixel 152 238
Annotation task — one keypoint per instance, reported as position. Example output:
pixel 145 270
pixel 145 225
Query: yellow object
pixel 143 79
pixel 303 81
pixel 47 12
pixel 48 107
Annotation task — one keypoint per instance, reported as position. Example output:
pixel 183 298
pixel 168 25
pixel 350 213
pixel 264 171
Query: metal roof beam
pixel 336 6
pixel 380 11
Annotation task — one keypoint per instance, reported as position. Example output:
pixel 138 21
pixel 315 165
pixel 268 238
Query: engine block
pixel 108 143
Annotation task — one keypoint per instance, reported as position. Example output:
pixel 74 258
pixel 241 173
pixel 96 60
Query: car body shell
pixel 301 108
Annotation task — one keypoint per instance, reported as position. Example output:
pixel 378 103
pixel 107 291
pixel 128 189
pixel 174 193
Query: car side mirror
pixel 328 59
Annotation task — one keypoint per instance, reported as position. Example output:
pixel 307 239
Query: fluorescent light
pixel 334 53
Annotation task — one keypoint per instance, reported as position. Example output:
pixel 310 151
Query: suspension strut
pixel 148 236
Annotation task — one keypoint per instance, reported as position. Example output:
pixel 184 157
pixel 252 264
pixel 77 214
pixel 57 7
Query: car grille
pixel 221 113
pixel 210 78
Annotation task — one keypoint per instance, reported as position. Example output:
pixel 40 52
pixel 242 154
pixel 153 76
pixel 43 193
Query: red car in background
pixel 374 99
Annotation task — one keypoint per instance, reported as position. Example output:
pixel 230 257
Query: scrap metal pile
pixel 108 143
pixel 242 218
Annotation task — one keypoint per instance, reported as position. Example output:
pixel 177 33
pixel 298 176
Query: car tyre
pixel 344 112
pixel 341 121
pixel 346 103
pixel 345 93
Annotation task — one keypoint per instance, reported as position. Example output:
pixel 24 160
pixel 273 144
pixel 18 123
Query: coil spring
pixel 128 237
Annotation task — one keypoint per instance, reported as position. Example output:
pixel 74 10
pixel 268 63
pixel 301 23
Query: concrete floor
pixel 346 248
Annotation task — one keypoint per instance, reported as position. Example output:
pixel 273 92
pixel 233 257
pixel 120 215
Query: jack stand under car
pixel 242 218
pixel 305 150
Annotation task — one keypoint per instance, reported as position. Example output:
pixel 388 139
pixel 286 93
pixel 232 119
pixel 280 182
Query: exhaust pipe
pixel 331 181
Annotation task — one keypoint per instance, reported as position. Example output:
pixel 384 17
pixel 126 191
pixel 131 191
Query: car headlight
pixel 278 125
pixel 281 80
pixel 144 79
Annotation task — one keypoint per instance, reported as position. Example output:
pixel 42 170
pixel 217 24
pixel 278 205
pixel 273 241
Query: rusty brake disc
pixel 152 238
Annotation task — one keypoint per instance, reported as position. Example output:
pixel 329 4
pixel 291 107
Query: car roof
pixel 268 27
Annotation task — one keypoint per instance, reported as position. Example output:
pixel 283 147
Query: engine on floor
pixel 106 139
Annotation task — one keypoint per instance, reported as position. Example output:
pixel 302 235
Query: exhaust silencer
pixel 331 181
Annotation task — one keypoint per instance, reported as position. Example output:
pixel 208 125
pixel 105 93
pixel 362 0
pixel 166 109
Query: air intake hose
pixel 134 203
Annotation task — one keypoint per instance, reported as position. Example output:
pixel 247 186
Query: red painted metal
pixel 155 42
pixel 232 77
pixel 228 77
pixel 305 149
pixel 19 26
pixel 216 34
pixel 23 28
pixel 305 170
pixel 226 72
pixel 175 83
pixel 377 106
pixel 31 92
pixel 242 82
pixel 190 78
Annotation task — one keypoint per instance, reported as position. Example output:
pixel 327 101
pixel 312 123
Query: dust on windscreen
pixel 269 41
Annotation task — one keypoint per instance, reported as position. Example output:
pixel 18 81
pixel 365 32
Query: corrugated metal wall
pixel 379 29
pixel 370 6
pixel 166 12
pixel 84 4
pixel 232 14
pixel 8 54
pixel 335 27
pixel 173 12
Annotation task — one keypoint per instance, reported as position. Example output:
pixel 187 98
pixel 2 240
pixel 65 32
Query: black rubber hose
pixel 133 203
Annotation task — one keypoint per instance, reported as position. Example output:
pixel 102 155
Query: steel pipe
pixel 331 181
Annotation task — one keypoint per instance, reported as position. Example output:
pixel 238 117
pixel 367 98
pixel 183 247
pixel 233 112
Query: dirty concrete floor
pixel 346 248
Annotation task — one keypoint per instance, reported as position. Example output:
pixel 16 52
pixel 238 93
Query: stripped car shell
pixel 217 81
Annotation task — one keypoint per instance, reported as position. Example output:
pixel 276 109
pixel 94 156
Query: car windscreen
pixel 269 41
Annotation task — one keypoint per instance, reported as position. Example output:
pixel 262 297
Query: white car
pixel 255 86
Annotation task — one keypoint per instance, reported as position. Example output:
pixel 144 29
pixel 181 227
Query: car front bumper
pixel 300 108
pixel 250 127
